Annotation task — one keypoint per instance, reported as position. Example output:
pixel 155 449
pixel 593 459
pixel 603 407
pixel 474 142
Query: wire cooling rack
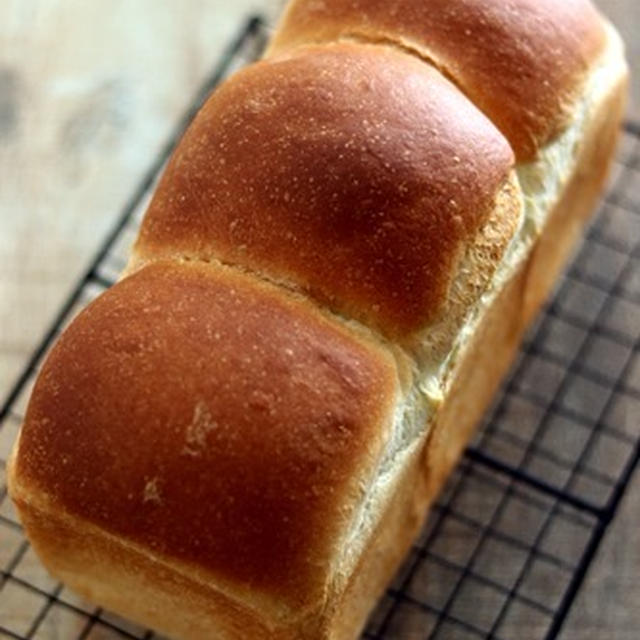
pixel 508 544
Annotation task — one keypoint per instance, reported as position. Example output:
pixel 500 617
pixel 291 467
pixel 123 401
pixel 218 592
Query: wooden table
pixel 88 93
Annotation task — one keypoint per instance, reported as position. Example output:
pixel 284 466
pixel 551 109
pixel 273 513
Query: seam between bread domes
pixel 300 293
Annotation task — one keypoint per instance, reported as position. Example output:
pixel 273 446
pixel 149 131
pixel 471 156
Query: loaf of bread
pixel 242 437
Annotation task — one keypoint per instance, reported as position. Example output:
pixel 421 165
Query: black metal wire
pixel 505 478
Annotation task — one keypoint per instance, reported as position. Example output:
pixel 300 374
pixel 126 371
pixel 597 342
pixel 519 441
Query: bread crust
pixel 208 417
pixel 283 414
pixel 356 174
pixel 109 570
pixel 522 62
pixel 139 583
pixel 484 361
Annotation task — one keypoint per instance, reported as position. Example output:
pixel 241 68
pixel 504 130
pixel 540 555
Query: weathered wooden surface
pixel 88 93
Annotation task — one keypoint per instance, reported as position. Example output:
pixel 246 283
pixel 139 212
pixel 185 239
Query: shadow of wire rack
pixel 511 538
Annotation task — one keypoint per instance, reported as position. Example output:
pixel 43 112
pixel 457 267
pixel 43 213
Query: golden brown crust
pixel 107 571
pixel 222 518
pixel 145 590
pixel 133 581
pixel 355 173
pixel 208 418
pixel 110 571
pixel 522 62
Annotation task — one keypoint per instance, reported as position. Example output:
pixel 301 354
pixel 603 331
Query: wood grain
pixel 89 91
